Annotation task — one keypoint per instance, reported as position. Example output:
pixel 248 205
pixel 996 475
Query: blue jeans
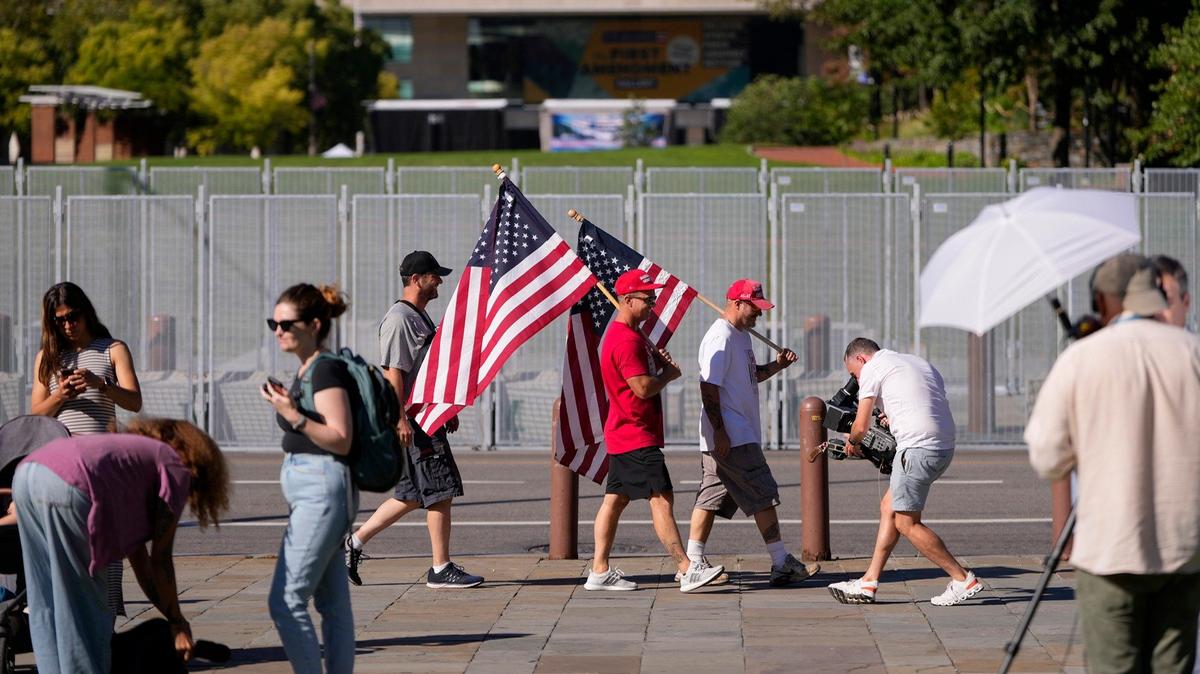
pixel 69 619
pixel 322 502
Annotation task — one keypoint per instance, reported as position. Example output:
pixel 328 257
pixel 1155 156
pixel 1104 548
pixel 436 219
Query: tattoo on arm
pixel 710 397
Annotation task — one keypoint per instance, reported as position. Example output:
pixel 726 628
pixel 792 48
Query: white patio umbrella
pixel 1017 252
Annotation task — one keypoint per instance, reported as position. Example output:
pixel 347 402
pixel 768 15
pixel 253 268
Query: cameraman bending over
pixel 911 392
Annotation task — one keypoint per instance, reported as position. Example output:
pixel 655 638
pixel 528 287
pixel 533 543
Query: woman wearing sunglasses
pixel 82 375
pixel 315 477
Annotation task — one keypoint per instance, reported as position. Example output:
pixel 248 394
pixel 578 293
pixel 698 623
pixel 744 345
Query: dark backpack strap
pixel 306 386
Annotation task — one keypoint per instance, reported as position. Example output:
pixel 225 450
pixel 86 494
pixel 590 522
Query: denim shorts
pixel 913 472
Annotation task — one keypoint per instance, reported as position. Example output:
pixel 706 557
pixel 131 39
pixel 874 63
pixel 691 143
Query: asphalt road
pixel 988 503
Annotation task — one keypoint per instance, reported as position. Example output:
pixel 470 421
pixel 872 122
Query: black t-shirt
pixel 326 373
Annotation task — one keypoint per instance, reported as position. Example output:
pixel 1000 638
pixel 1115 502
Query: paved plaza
pixel 533 615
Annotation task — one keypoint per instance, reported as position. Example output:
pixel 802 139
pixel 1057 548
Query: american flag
pixel 579 444
pixel 520 277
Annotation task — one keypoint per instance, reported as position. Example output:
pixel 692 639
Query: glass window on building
pixel 397 32
pixel 404 89
pixel 496 57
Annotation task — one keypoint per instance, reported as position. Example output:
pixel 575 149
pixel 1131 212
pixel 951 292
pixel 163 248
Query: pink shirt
pixel 123 476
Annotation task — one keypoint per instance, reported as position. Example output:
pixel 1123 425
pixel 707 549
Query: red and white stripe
pixel 483 326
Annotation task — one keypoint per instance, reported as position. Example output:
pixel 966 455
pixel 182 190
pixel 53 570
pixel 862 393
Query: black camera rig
pixel 878 445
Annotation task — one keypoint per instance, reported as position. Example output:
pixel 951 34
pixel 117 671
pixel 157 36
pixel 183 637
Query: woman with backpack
pixel 316 481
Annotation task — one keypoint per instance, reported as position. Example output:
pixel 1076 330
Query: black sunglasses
pixel 286 325
pixel 69 317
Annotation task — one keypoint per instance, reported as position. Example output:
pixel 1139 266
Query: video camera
pixel 878 445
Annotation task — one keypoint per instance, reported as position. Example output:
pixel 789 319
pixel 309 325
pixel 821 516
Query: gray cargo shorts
pixel 913 472
pixel 742 479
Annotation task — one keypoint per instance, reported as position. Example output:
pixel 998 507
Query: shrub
pixel 796 111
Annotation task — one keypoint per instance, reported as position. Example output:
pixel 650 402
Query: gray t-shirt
pixel 404 336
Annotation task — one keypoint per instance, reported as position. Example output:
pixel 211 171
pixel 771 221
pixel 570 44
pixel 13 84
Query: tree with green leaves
pixel 245 86
pixel 23 62
pixel 148 52
pixel 1173 134
pixel 795 111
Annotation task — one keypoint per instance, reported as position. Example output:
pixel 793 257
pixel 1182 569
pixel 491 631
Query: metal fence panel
pixel 708 241
pixel 443 179
pixel 816 180
pixel 136 258
pixel 175 180
pixel 8 184
pixel 27 245
pixel 258 246
pixel 677 180
pixel 846 271
pixel 1027 341
pixel 324 180
pixel 1172 180
pixel 1116 179
pixel 75 180
pixel 383 229
pixel 577 179
pixel 1169 228
pixel 951 180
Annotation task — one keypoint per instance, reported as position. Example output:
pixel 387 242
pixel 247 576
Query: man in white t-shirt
pixel 912 396
pixel 734 472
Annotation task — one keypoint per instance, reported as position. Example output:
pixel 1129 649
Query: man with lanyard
pixel 432 479
pixel 634 376
pixel 1119 407
pixel 734 472
pixel 912 394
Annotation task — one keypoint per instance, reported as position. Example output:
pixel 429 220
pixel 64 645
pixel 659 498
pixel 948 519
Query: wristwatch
pixel 299 425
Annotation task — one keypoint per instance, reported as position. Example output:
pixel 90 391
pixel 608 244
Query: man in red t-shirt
pixel 634 375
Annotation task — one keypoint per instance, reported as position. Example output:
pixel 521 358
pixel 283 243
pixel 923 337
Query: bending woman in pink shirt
pixel 85 501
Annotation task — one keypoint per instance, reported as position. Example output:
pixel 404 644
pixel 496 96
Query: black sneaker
pixel 354 559
pixel 453 576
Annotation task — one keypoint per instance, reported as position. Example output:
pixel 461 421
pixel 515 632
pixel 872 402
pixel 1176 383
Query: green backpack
pixel 375 451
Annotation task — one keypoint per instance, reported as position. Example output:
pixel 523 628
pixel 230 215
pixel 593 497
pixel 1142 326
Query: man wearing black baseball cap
pixel 432 479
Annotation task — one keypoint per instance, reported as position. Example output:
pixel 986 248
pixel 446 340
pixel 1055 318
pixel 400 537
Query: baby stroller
pixel 18 438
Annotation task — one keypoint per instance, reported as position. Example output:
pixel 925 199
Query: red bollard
pixel 817 355
pixel 814 482
pixel 564 503
pixel 1060 509
pixel 161 344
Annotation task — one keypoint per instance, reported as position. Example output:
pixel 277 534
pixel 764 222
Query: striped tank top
pixel 90 411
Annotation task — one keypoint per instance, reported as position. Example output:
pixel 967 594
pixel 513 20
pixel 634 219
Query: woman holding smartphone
pixel 315 477
pixel 81 375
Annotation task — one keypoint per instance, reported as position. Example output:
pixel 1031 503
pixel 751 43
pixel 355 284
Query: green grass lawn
pixel 701 155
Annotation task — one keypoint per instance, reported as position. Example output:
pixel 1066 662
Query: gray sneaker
pixel 719 580
pixel 453 576
pixel 612 579
pixel 792 571
pixel 698 575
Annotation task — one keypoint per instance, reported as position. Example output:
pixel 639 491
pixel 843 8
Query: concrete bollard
pixel 817 357
pixel 160 349
pixel 814 482
pixel 1060 509
pixel 564 502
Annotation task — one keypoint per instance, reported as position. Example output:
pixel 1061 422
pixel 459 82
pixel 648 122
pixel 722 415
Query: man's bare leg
pixel 702 524
pixel 885 538
pixel 768 525
pixel 437 519
pixel 929 544
pixel 384 516
pixel 662 512
pixel 605 529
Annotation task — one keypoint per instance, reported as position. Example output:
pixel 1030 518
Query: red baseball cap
pixel 635 280
pixel 748 290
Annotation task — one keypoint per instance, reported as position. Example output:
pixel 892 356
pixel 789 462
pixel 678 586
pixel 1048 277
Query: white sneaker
pixel 958 591
pixel 698 575
pixel 612 579
pixel 719 580
pixel 857 591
